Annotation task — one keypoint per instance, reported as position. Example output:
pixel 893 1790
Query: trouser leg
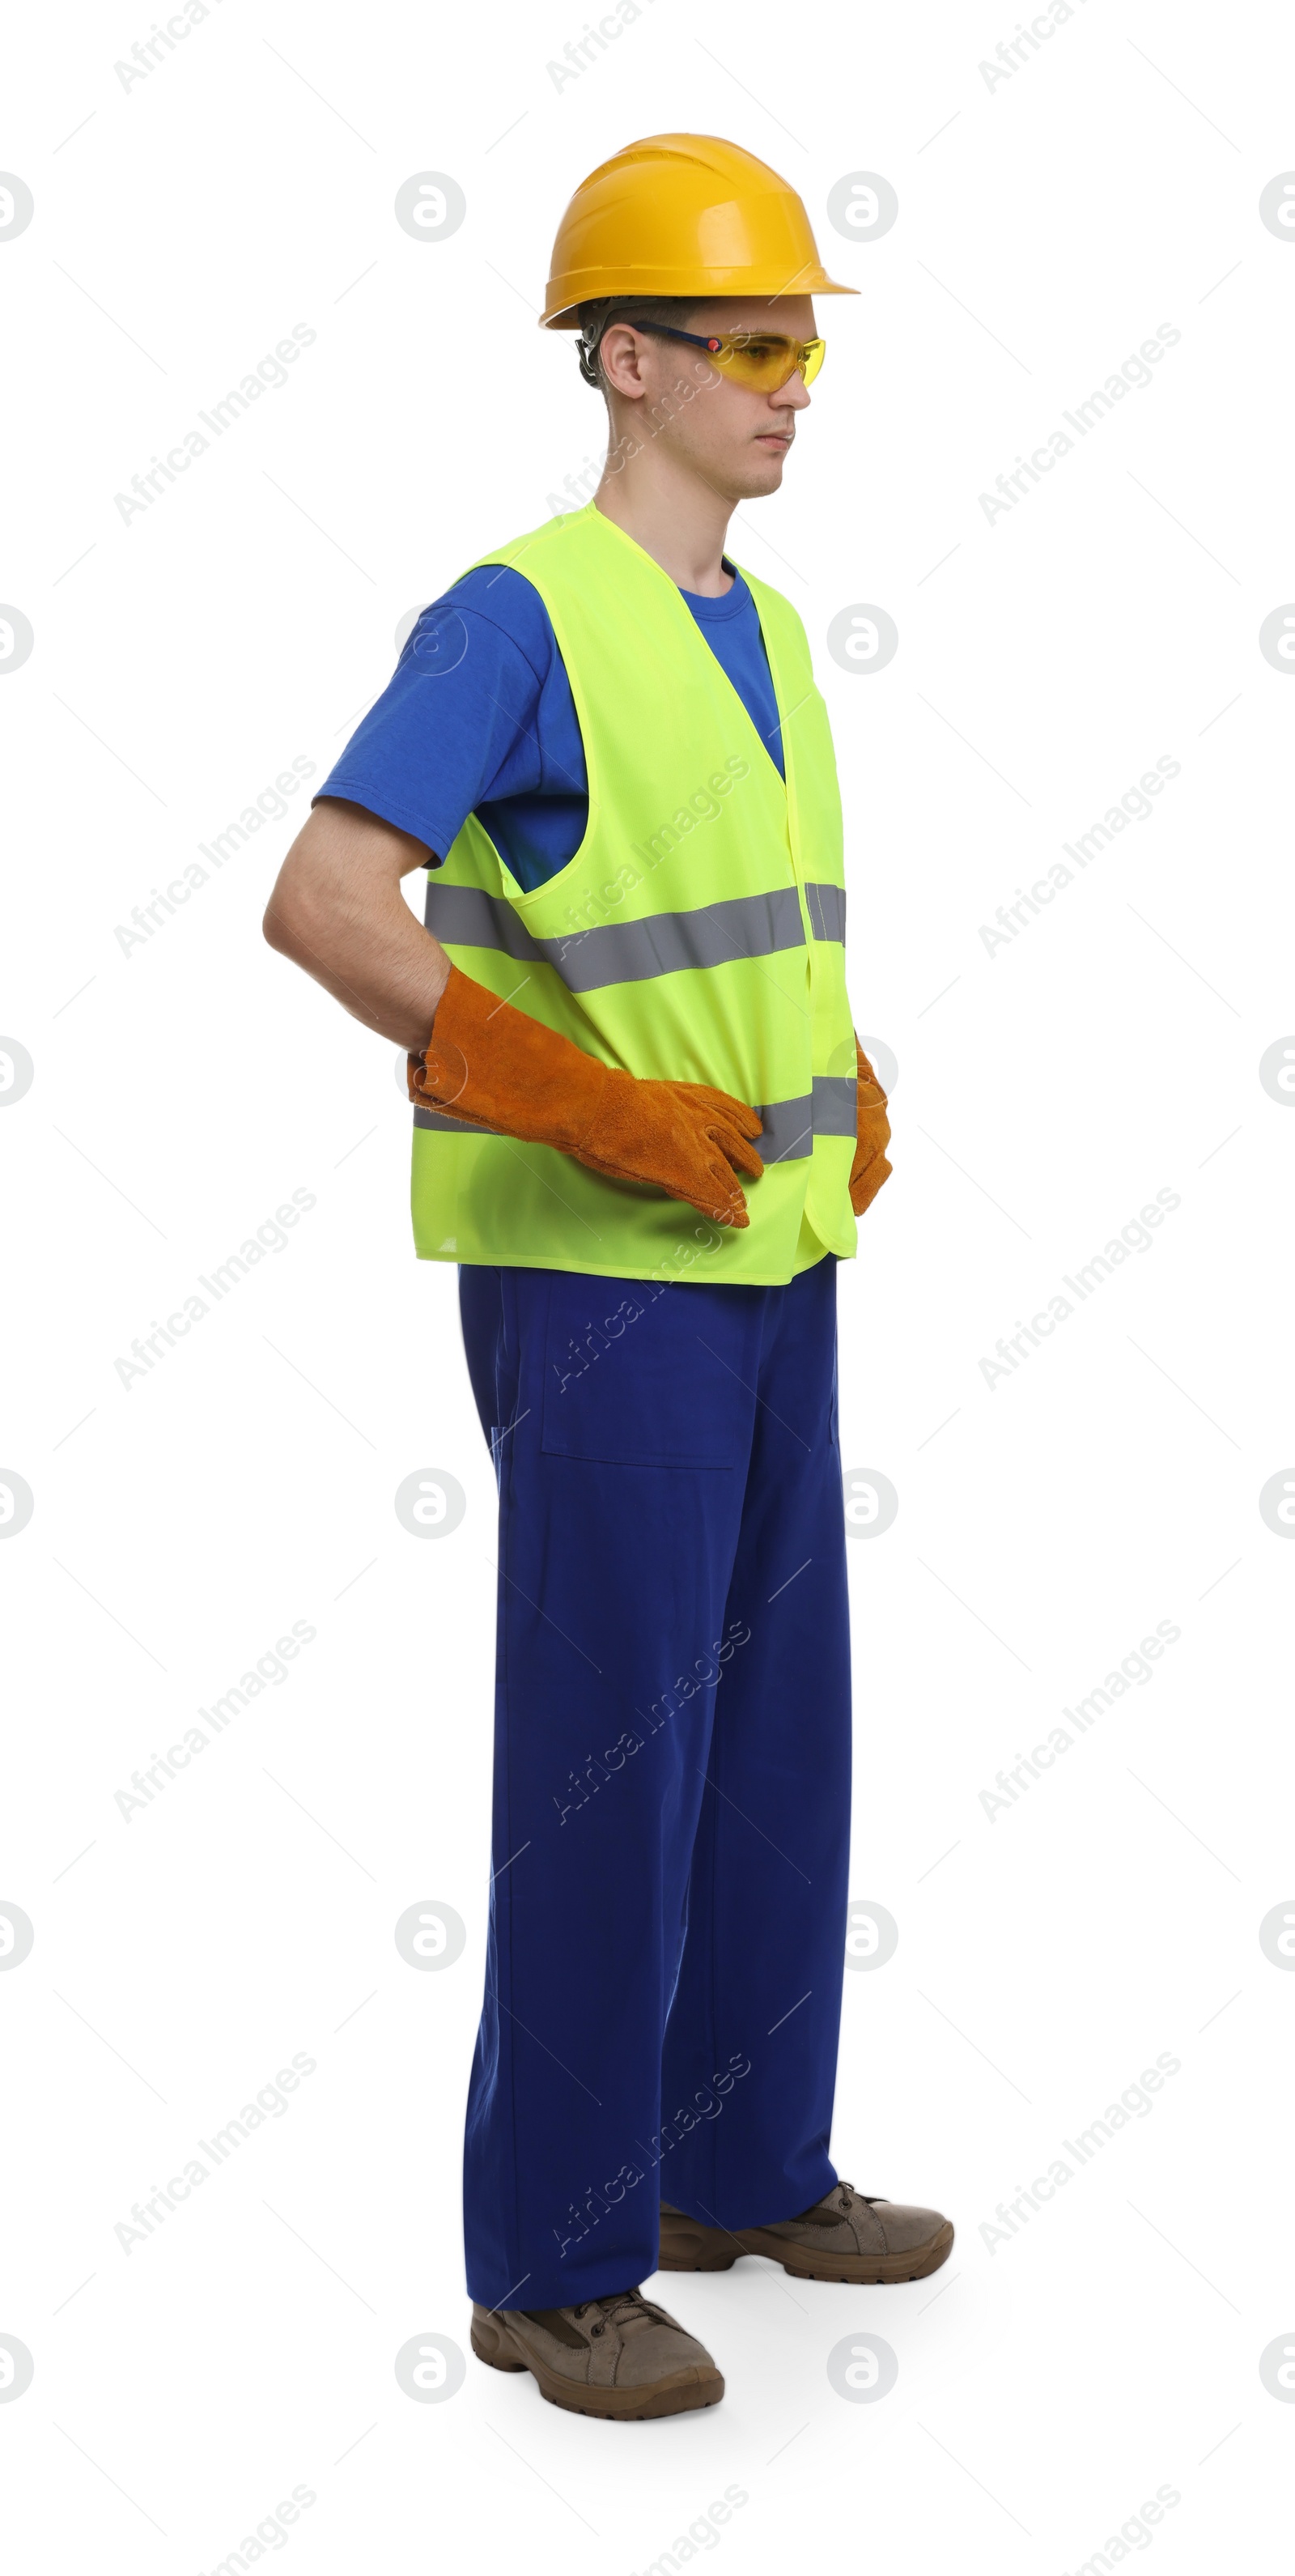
pixel 760 1983
pixel 621 1480
pixel 642 1526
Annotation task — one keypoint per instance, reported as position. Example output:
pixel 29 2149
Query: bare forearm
pixel 338 912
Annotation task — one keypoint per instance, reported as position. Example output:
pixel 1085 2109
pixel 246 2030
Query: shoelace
pixel 622 2308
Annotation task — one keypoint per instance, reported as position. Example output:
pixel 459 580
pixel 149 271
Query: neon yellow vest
pixel 697 934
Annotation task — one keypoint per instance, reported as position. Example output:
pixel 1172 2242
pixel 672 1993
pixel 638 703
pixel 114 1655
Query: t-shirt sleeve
pixel 456 725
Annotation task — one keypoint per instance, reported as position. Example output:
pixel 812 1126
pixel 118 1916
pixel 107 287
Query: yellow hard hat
pixel 686 215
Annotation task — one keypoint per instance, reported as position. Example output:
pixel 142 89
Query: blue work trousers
pixel 671 1773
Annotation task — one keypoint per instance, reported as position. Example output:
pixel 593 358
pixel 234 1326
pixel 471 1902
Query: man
pixel 644 1130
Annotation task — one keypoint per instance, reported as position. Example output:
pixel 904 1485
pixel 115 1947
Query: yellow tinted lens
pixel 767 365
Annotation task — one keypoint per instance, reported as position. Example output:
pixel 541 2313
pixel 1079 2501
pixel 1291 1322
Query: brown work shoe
pixel 620 2357
pixel 845 2237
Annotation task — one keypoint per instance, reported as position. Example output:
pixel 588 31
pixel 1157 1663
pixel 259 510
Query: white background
pixel 1047 2383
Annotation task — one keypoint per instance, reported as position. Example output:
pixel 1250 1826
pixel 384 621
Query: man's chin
pixel 759 475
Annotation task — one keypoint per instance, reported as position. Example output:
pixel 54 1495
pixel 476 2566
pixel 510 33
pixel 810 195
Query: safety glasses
pixel 761 360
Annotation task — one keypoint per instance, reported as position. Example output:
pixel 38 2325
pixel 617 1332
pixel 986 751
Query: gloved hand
pixel 870 1167
pixel 497 1069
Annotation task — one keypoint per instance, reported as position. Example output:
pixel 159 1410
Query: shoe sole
pixel 688 2246
pixel 679 2393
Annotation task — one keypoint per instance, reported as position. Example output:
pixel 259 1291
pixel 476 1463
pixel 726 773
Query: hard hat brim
pixel 566 294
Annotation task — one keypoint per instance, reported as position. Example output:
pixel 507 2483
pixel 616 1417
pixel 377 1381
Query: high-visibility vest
pixel 698 934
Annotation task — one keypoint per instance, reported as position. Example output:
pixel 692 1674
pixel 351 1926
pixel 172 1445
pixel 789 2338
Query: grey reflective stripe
pixel 473 919
pixel 826 910
pixel 623 952
pixel 787 1130
pixel 836 1104
pixel 788 1126
pixel 435 1118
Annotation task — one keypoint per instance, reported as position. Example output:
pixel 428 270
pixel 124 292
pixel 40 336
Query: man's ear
pixel 636 390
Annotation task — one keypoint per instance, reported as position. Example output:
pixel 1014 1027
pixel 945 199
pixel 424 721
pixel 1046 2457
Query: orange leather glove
pixel 870 1167
pixel 497 1069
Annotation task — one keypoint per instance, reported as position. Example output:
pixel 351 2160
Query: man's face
pixel 735 438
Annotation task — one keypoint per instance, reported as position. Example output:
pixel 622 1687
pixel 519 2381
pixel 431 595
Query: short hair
pixel 677 310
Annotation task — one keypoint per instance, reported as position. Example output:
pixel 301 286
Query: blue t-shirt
pixel 478 718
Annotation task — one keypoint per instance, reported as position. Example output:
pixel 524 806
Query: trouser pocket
pixel 641 1375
